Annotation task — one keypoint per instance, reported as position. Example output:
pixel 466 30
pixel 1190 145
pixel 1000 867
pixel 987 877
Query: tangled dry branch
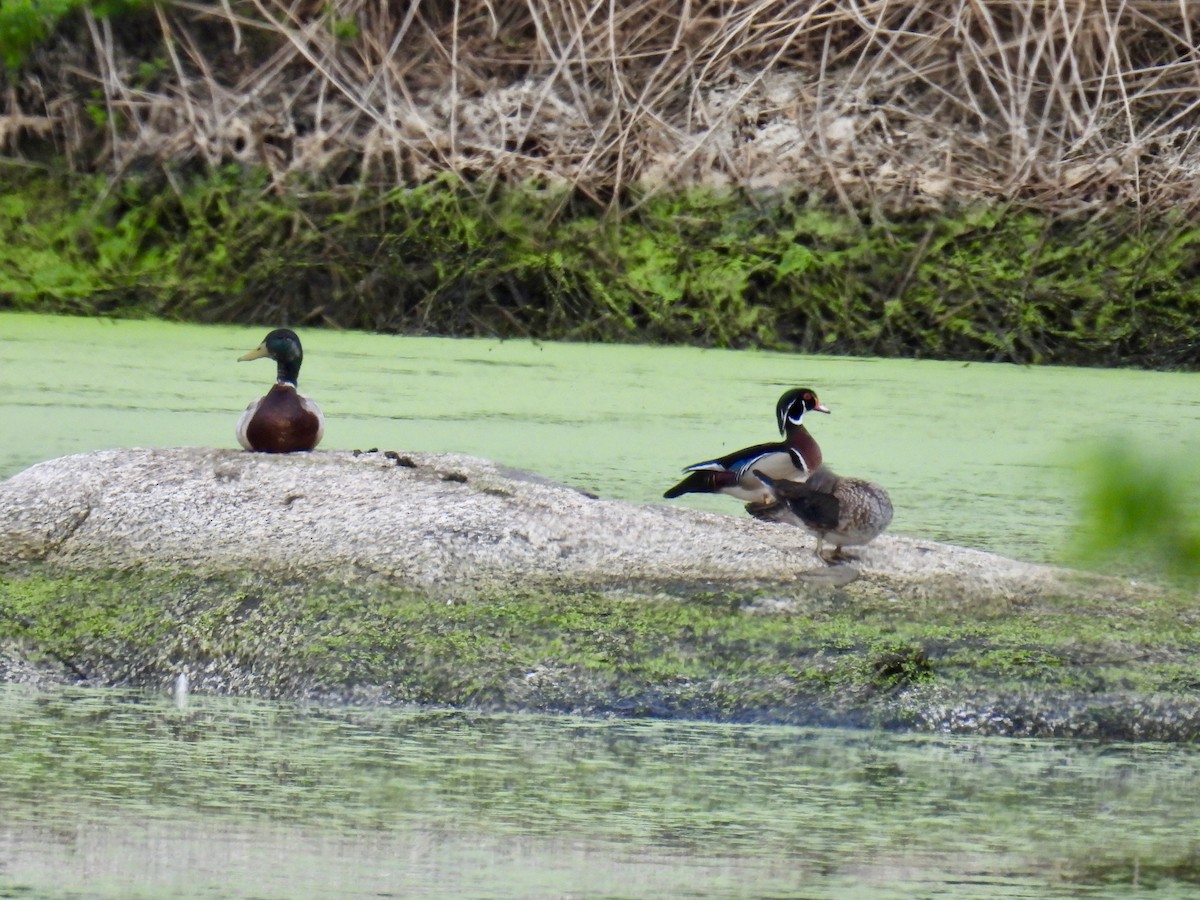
pixel 1062 103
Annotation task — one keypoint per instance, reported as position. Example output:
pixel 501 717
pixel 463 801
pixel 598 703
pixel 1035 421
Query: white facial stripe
pixel 799 417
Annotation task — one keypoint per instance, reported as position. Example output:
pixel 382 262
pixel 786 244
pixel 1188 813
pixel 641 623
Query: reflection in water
pixel 116 794
pixel 155 859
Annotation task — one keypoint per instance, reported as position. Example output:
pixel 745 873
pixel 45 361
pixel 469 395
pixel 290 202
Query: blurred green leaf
pixel 1138 510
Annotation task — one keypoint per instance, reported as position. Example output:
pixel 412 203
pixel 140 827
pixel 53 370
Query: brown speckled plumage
pixel 848 512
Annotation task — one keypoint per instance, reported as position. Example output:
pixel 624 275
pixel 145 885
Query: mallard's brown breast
pixel 281 422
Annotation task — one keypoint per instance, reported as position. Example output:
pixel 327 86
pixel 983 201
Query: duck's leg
pixel 841 555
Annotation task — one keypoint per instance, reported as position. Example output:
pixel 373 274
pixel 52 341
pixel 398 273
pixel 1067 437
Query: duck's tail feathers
pixel 703 481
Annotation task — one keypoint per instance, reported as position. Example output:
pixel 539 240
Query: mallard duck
pixel 283 421
pixel 793 457
pixel 849 512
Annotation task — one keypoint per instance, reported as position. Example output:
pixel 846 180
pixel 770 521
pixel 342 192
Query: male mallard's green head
pixel 283 346
pixel 794 404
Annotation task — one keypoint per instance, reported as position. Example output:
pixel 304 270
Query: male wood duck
pixel 283 421
pixel 793 457
pixel 849 512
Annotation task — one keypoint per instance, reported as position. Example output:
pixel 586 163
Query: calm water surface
pixel 980 455
pixel 112 794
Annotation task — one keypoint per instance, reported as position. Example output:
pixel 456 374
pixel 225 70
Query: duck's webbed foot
pixel 839 556
pixel 758 508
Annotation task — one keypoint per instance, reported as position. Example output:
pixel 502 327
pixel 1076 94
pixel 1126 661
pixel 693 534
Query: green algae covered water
pixel 979 455
pixel 114 794
pixel 107 793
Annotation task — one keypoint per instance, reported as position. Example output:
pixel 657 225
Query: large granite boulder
pixel 432 521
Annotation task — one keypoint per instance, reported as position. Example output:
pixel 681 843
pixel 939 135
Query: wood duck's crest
pixel 792 406
pixel 284 421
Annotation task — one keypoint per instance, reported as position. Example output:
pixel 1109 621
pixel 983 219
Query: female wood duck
pixel 793 457
pixel 283 421
pixel 849 512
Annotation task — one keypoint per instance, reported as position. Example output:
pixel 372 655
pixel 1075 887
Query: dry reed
pixel 1066 104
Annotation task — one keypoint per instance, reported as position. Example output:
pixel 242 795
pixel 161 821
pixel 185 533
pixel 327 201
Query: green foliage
pixel 696 267
pixel 26 24
pixel 344 29
pixel 136 249
pixel 898 666
pixel 1136 511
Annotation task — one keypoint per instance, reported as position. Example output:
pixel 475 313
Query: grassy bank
pixel 1047 666
pixel 713 268
pixel 938 179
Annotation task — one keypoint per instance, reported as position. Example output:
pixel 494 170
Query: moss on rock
pixel 1050 667
pixel 502 590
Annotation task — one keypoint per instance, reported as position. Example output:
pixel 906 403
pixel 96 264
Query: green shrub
pixel 1137 514
pixel 26 24
pixel 700 268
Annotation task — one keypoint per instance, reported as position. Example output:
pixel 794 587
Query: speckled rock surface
pixel 434 521
pixel 389 577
